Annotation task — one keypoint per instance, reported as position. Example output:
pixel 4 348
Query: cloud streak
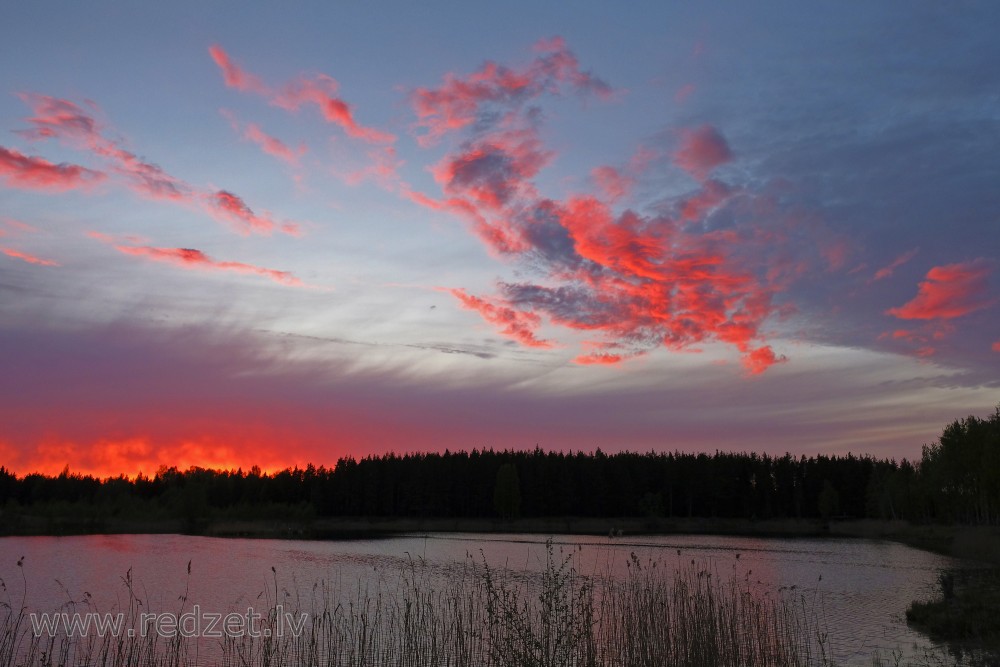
pixel 31 259
pixel 887 271
pixel 517 324
pixel 65 120
pixel 317 90
pixel 271 145
pixel 189 258
pixel 461 101
pixel 35 173
pixel 950 291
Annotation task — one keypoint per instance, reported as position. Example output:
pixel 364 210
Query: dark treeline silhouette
pixel 956 480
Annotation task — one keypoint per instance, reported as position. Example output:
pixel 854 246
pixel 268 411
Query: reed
pixel 476 615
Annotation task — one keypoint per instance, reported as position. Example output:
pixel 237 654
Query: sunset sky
pixel 233 235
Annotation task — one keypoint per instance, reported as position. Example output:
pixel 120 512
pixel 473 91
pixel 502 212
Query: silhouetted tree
pixel 507 492
pixel 828 502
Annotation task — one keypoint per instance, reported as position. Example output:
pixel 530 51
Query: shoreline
pixel 976 543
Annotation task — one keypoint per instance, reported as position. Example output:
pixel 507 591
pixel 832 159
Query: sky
pixel 235 235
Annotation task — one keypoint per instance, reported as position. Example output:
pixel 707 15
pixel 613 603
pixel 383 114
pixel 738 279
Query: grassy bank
pixel 483 617
pixel 965 615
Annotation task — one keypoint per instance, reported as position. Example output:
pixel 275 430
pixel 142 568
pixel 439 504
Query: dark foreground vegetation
pixel 957 480
pixel 966 614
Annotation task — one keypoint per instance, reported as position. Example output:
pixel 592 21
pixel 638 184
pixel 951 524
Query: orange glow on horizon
pixel 133 456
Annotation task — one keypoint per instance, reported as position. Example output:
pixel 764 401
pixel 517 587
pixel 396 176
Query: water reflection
pixel 860 587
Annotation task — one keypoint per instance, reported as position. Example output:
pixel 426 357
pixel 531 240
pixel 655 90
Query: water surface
pixel 860 588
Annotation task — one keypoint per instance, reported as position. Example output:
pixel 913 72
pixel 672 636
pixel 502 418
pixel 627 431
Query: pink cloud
pixel 230 207
pixel 456 103
pixel 617 182
pixel 598 359
pixel 57 118
pixel 319 90
pixel 383 167
pixel 190 258
pixel 641 282
pixel 18 226
pixel 699 204
pixel 613 184
pixel 62 119
pixel 233 74
pixel 36 173
pixel 996 346
pixel 950 291
pixel 31 259
pixel 760 359
pixel 270 145
pixel 492 171
pixel 517 324
pixel 887 271
pixel 638 281
pixel 702 150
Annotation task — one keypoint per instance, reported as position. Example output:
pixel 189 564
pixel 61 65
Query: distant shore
pixel 980 543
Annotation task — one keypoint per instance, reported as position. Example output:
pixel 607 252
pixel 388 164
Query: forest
pixel 956 480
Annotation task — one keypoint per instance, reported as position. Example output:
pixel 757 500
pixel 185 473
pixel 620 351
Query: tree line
pixel 957 479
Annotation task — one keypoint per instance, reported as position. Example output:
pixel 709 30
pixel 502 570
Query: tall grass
pixel 19 645
pixel 476 615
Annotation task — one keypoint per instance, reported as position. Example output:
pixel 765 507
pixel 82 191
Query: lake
pixel 859 588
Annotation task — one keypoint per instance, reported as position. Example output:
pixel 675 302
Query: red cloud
pixel 61 119
pixel 56 117
pixel 234 76
pixel 35 173
pixel 702 150
pixel 996 346
pixel 270 145
pixel 233 209
pixel 950 291
pixel 483 178
pixel 598 359
pixel 518 324
pixel 611 182
pixel 31 259
pixel 383 167
pixel 492 171
pixel 616 183
pixel 318 90
pixel 457 102
pixel 760 359
pixel 698 205
pixel 195 259
pixel 642 282
pixel 887 271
